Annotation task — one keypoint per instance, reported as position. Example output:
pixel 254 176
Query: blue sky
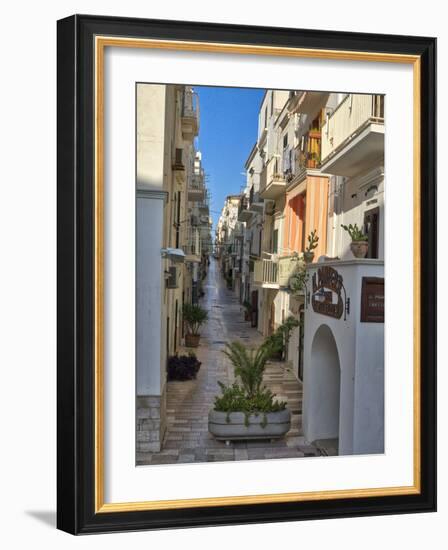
pixel 227 133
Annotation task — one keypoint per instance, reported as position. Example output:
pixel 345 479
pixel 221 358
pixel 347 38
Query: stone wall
pixel 151 422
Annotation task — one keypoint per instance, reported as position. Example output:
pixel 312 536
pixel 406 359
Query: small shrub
pixel 277 343
pixel 183 367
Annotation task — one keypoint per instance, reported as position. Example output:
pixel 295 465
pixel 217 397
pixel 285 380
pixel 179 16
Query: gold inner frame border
pixel 100 43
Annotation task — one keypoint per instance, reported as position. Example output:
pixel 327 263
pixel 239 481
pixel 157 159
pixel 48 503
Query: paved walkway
pixel 187 438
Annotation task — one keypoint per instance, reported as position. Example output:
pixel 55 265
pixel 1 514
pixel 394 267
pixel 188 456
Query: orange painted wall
pixel 317 211
pixel 305 212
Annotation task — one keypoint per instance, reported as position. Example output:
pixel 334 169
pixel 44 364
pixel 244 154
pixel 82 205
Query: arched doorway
pixel 326 390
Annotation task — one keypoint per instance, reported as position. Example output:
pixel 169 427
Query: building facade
pixel 172 236
pixel 318 164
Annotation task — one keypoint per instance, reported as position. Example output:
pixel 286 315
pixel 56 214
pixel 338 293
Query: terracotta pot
pixel 308 257
pixel 192 340
pixel 359 248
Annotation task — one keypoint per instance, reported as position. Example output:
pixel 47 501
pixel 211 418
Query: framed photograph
pixel 246 274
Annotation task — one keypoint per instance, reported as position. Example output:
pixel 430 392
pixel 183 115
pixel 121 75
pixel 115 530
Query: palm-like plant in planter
pixel 194 317
pixel 247 409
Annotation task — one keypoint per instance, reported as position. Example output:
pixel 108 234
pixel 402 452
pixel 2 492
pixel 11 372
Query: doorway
pixel 326 388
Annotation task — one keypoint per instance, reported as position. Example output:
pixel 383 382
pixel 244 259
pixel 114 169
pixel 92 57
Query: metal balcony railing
pixel 275 271
pixel 266 271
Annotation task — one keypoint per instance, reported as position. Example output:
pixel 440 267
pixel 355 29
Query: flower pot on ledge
pixel 308 257
pixel 359 248
pixel 192 340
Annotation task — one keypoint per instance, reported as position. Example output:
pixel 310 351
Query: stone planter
pixel 278 424
pixel 359 248
pixel 192 340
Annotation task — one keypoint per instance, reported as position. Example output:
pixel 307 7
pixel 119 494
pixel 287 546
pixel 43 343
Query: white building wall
pixel 360 348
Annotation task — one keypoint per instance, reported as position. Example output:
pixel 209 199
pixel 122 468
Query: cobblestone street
pixel 187 438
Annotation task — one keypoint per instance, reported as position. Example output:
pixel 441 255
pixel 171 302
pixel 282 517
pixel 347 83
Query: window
pixel 275 241
pixel 285 141
pixel 178 199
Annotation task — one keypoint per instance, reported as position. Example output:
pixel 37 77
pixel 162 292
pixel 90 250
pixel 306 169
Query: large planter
pixel 278 424
pixel 359 248
pixel 192 340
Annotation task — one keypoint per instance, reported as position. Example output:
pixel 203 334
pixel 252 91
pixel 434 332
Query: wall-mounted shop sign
pixel 327 287
pixel 372 300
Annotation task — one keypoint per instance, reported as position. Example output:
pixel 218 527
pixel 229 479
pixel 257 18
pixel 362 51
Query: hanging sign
pixel 372 300
pixel 327 285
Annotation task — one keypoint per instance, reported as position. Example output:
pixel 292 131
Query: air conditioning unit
pixel 171 281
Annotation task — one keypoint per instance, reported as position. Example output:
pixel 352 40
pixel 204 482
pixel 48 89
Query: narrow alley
pixel 187 438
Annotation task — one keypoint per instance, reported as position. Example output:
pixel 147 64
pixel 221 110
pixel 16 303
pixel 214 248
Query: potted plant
pixel 298 279
pixel 277 343
pixel 247 409
pixel 308 254
pixel 183 367
pixel 359 245
pixel 247 310
pixel 194 316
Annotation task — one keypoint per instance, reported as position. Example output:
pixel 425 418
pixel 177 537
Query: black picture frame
pixel 76 255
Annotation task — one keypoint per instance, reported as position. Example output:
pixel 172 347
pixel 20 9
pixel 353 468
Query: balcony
pixel 266 273
pixel 244 214
pixel 273 182
pixel 196 189
pixel 189 114
pixel 353 137
pixel 275 273
pixel 192 247
pixel 287 265
pixel 309 103
pixel 255 204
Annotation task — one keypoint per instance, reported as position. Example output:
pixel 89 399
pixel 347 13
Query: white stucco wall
pixel 150 329
pixel 151 197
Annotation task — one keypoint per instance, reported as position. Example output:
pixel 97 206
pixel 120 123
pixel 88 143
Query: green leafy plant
pixel 194 316
pixel 355 233
pixel 249 365
pixel 277 343
pixel 233 398
pixel 247 306
pixel 298 280
pixel 313 240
